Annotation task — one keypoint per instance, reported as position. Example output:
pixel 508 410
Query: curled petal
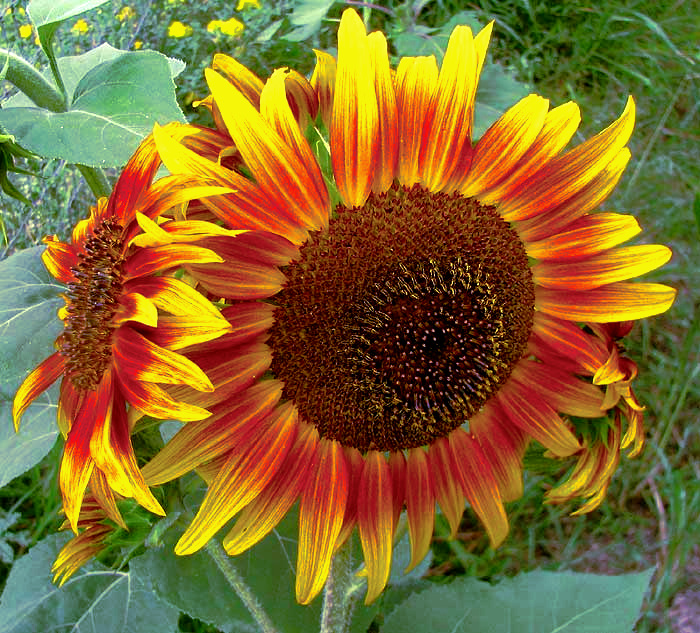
pixel 38 381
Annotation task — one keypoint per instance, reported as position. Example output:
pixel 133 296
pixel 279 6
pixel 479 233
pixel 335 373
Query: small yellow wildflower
pixel 243 4
pixel 25 31
pixel 230 27
pixel 178 29
pixel 125 14
pixel 80 27
pixel 137 44
pixel 21 11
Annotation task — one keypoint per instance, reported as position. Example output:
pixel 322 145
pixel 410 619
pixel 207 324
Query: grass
pixel 567 50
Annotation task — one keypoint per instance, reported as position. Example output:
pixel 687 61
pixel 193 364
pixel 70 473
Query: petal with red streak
pixel 420 505
pixel 38 381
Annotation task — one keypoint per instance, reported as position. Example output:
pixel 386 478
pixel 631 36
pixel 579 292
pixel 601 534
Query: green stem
pixel 340 593
pixel 223 562
pixel 96 180
pixel 32 83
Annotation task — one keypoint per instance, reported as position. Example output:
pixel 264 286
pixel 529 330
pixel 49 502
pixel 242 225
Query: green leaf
pixel 94 600
pixel 307 17
pixel 268 569
pixel 113 106
pixel 28 326
pixel 47 12
pixel 546 602
pixel 497 91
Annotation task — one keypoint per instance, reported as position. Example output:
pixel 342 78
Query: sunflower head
pixel 404 347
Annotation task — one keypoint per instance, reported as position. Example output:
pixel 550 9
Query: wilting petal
pixel 249 84
pixel 38 381
pixel 174 296
pixel 375 521
pixel 176 232
pixel 620 301
pixel 320 518
pixel 246 473
pixel 420 505
pixel 354 127
pixel 323 82
pixel 59 258
pixel 147 261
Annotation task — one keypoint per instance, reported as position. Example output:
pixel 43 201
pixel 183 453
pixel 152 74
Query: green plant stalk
pixel 32 83
pixel 243 591
pixel 340 592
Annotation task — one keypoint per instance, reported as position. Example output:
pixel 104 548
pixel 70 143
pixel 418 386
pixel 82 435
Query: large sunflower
pixel 123 319
pixel 404 347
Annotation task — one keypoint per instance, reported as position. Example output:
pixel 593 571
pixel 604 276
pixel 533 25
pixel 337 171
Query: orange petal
pixel 397 465
pixel 261 516
pixel 110 447
pixel 302 98
pixel 241 77
pixel 354 131
pixel 448 123
pixel 275 108
pixel 356 464
pixel 420 505
pixel 617 264
pixel 479 485
pixel 176 297
pixel 558 128
pixel 560 389
pixel 201 441
pixel 445 481
pixel 588 235
pixel 175 232
pixel 59 258
pixel 246 208
pixel 146 261
pixel 416 81
pixel 555 218
pixel 77 463
pixel 177 332
pixel 135 307
pixel 239 279
pixel 504 143
pixel 320 518
pixel 503 445
pixel 620 301
pixel 105 498
pixel 247 321
pixel 388 151
pixel 288 183
pixel 323 82
pixel 134 355
pixel 153 400
pixel 38 381
pixel 529 412
pixel 246 473
pixel 375 522
pixel 564 176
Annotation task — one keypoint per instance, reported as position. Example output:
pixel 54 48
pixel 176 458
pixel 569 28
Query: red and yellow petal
pixel 203 440
pixel 290 185
pixel 479 484
pixel 323 82
pixel 59 258
pixel 38 381
pixel 445 481
pixel 246 473
pixel 621 301
pixel 375 521
pixel 135 307
pixel 320 519
pixel 608 267
pixel 134 355
pixel 354 137
pixel 420 504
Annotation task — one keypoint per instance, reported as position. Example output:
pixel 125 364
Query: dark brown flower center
pixel 402 319
pixel 92 300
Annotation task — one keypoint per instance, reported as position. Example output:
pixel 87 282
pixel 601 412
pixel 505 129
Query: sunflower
pixel 404 347
pixel 123 318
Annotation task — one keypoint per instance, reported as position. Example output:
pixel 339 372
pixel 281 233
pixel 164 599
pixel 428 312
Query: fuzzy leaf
pixel 546 602
pixel 94 600
pixel 113 106
pixel 28 326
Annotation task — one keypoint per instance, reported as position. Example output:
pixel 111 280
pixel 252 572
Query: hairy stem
pixel 32 83
pixel 340 593
pixel 243 591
